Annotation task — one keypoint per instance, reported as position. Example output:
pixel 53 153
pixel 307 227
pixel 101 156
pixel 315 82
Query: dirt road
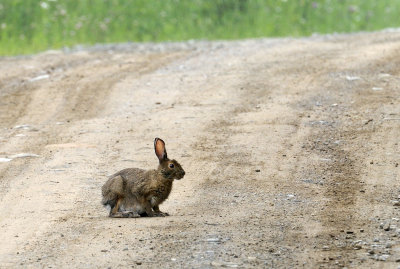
pixel 290 147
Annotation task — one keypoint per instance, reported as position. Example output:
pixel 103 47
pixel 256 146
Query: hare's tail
pixel 109 202
pixel 112 190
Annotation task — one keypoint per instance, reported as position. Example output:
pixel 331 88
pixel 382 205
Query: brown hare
pixel 135 192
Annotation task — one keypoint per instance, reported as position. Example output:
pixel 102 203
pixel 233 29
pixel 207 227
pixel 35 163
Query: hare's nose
pixel 183 173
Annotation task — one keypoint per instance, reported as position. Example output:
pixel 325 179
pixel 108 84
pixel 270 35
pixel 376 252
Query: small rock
pixel 389 245
pixel 24 155
pixel 383 257
pixel 230 265
pixel 352 78
pixel 371 252
pixel 396 203
pixel 22 126
pixel 384 75
pixel 325 248
pixel 385 226
pixel 357 244
pixel 104 250
pixel 258 170
pixel 250 258
pixel 39 78
pixel 213 240
pixel 125 249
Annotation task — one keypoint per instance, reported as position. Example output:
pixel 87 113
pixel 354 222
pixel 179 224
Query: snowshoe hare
pixel 135 192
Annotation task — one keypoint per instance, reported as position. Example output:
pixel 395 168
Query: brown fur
pixel 134 192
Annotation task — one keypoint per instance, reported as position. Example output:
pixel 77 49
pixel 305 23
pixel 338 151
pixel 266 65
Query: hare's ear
pixel 159 148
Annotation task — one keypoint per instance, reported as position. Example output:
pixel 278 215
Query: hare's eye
pixel 171 165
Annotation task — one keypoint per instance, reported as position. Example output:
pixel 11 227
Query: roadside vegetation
pixel 28 26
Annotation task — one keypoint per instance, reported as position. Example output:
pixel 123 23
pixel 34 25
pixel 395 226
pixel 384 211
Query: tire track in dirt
pixel 344 237
pixel 275 140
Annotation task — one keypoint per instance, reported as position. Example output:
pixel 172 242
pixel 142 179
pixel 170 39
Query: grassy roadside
pixel 28 26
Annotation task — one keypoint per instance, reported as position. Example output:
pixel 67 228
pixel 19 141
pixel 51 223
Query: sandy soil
pixel 290 146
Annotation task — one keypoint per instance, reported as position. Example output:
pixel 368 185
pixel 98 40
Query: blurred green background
pixel 28 26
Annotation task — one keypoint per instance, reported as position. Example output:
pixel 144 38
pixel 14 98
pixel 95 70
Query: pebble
pixel 325 248
pixel 357 244
pixel 352 78
pixel 385 226
pixel 384 75
pixel 383 257
pixel 39 78
pixel 396 203
pixel 22 126
pixel 23 155
pixel 212 240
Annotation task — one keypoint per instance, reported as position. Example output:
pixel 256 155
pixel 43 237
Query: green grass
pixel 28 26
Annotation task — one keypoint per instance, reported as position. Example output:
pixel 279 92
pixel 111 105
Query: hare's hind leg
pixel 125 214
pixel 116 213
